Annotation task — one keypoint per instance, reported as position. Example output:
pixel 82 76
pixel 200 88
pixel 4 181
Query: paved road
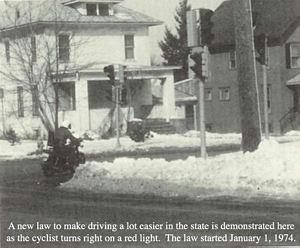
pixel 26 198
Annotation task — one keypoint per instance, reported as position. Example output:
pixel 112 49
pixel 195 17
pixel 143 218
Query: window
pixel 66 95
pixel 103 10
pixel 7 50
pixel 295 55
pixel 64 47
pixel 20 100
pixel 208 95
pixel 269 98
pixel 129 46
pixel 33 48
pixel 91 9
pixel 224 94
pixel 35 101
pixel 232 60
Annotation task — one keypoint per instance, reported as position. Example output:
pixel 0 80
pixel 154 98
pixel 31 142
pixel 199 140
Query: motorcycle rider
pixel 63 141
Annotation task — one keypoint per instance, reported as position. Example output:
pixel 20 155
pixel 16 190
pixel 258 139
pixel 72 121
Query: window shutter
pixel 288 55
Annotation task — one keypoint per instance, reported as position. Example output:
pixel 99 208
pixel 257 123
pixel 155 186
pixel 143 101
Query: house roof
pixel 51 11
pixel 274 18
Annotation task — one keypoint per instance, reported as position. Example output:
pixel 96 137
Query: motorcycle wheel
pixel 47 168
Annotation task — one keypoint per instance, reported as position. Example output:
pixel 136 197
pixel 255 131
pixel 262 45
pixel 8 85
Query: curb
pixel 159 151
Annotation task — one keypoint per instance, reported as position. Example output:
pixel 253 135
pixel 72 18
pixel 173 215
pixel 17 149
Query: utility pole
pixel 248 87
pixel 261 46
pixel 266 112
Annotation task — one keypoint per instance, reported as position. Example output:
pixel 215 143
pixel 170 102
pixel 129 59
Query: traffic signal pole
pixel 199 56
pixel 202 119
pixel 118 145
pixel 117 85
pixel 200 68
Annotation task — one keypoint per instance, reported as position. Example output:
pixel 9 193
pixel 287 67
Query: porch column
pixel 82 105
pixel 169 96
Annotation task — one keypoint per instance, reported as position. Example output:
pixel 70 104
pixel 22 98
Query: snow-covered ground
pixel 271 171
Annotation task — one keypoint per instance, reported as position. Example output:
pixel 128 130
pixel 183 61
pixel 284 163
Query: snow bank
pixel 272 170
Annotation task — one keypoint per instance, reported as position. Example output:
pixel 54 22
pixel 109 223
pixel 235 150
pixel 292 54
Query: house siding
pixel 224 115
pixel 100 45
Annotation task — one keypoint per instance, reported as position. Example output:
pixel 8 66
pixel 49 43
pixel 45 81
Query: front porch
pixel 148 93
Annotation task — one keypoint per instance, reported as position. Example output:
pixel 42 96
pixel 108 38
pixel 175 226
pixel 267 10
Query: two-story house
pixel 280 22
pixel 53 55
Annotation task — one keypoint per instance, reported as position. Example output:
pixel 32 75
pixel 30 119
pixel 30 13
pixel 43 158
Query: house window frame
pixel 269 97
pixel 101 11
pixel 88 9
pixel 232 65
pixel 208 97
pixel 61 54
pixel 7 50
pixel 222 94
pixel 297 57
pixel 129 47
pixel 20 101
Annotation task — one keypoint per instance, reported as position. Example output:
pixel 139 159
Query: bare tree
pixel 38 39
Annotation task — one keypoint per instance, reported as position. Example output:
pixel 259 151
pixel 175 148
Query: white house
pixel 65 45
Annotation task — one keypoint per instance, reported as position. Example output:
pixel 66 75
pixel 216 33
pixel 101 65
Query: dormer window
pixel 103 9
pixel 97 9
pixel 91 9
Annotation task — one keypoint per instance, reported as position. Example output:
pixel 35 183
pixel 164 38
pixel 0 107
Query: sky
pixel 163 10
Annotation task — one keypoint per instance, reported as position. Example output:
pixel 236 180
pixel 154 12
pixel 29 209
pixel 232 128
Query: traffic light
pixel 205 27
pixel 261 48
pixel 110 69
pixel 200 68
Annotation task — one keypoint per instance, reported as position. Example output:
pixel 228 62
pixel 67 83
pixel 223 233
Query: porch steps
pixel 160 126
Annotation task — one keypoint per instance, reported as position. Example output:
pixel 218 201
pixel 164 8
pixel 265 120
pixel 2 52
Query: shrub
pixel 11 136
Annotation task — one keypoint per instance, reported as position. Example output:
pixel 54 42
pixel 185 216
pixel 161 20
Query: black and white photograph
pixel 149 123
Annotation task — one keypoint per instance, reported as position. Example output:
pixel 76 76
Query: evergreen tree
pixel 174 46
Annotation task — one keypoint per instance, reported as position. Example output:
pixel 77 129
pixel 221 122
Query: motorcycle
pixel 57 165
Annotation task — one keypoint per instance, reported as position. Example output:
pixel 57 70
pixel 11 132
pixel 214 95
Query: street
pixel 52 217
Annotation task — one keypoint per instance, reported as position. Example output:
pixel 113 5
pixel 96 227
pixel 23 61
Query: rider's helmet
pixel 66 124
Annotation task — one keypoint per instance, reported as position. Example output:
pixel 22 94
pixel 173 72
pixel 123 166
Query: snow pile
pixel 272 170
